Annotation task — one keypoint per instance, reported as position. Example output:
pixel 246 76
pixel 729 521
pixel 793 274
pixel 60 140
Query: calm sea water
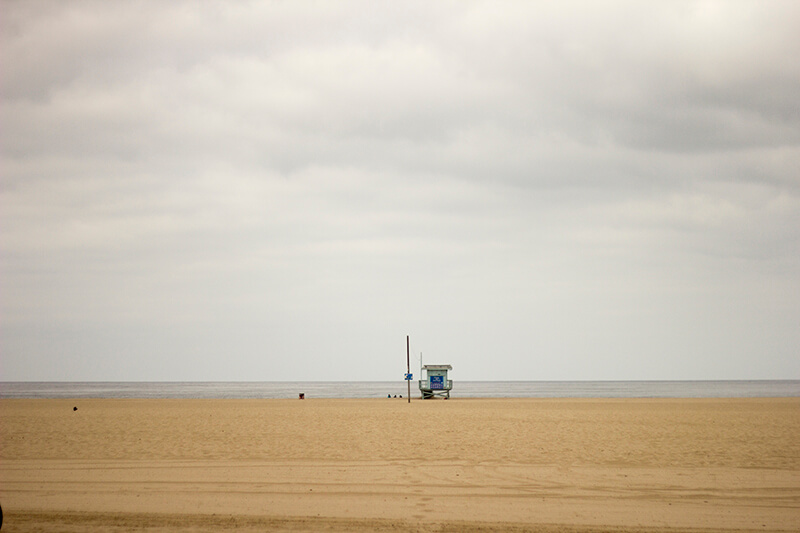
pixel 380 389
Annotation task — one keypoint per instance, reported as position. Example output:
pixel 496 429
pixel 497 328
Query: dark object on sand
pixel 302 396
pixel 74 408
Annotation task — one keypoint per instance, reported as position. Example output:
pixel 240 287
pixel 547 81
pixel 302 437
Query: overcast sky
pixel 285 190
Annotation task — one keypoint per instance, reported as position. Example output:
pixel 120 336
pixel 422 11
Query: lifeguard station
pixel 435 382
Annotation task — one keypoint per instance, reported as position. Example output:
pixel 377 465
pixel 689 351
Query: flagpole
pixel 408 366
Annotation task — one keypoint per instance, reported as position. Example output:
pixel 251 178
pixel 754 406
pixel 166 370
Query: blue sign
pixel 437 382
pixel 409 377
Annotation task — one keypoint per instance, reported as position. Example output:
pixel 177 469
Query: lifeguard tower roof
pixel 437 367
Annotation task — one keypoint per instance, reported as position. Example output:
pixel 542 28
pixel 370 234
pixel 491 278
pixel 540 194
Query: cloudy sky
pixel 285 190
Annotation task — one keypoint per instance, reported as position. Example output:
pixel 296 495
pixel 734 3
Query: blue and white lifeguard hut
pixel 435 382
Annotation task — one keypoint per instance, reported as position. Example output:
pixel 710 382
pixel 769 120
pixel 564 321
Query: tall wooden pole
pixel 408 366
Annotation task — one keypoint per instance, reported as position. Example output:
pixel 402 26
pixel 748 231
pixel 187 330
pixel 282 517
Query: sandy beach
pixel 386 465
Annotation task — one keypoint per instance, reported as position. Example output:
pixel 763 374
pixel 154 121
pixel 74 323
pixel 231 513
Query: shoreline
pixel 567 464
pixel 379 389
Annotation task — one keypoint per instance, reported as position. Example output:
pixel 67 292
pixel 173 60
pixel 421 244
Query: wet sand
pixel 384 465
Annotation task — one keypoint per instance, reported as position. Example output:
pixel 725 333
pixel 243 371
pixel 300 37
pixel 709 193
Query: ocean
pixel 382 389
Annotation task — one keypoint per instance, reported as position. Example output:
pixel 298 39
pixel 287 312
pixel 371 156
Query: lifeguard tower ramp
pixel 435 382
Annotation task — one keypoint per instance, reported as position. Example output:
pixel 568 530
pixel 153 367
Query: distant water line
pixel 384 389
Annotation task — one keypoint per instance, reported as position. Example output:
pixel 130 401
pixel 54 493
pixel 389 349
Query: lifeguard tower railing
pixel 432 388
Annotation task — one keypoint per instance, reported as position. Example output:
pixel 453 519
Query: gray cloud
pixel 283 191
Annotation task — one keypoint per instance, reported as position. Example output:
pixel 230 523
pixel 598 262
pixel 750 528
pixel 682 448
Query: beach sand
pixel 553 465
